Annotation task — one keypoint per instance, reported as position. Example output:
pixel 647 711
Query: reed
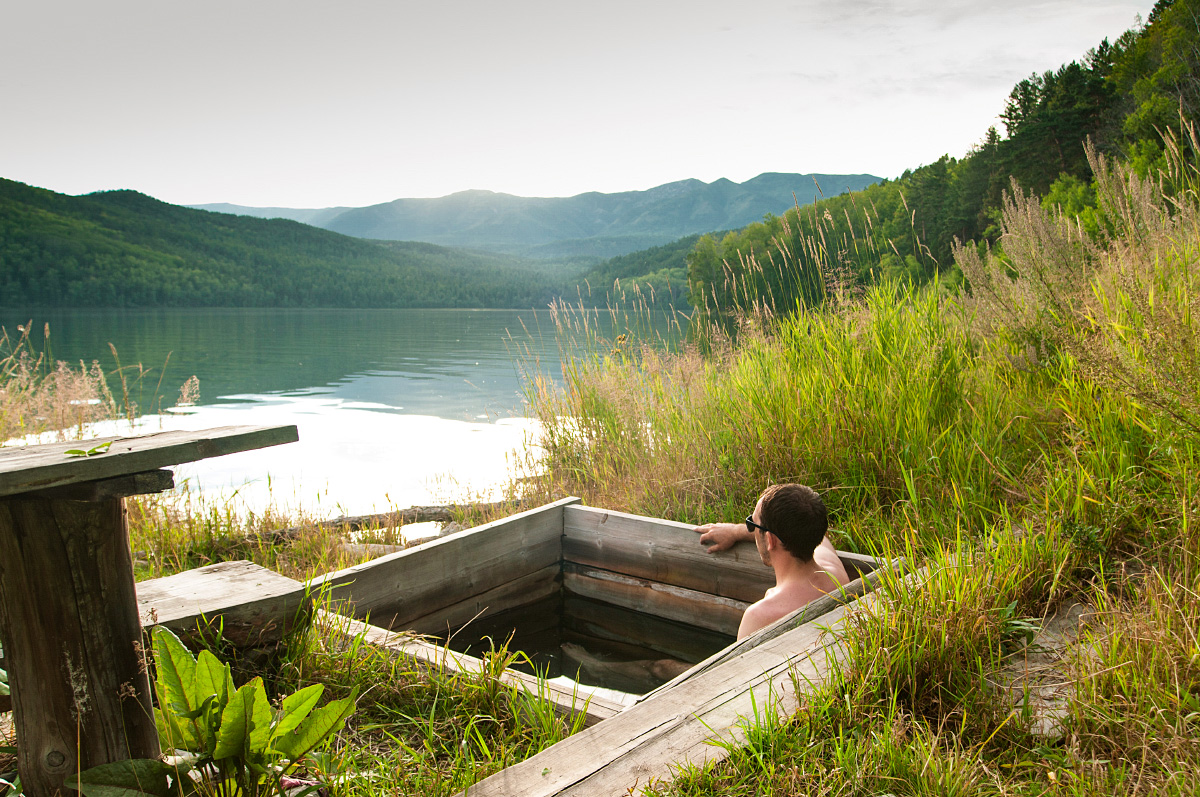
pixel 40 396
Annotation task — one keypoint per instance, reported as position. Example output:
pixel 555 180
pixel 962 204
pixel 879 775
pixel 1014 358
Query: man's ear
pixel 772 541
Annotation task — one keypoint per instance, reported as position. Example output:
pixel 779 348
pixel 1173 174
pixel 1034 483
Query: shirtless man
pixel 788 527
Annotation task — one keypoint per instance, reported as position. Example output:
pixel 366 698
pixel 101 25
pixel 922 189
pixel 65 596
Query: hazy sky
pixel 315 104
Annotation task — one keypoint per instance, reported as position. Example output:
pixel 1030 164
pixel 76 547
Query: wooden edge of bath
pixel 810 612
pixel 676 725
pixel 536 586
pixel 663 551
pixel 399 587
pixel 566 701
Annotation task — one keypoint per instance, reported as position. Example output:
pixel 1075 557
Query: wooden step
pixel 253 606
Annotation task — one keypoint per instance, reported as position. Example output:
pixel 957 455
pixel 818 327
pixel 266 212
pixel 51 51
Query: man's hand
pixel 722 536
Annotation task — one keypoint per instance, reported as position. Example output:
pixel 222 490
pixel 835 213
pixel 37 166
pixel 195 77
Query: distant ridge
pixel 126 249
pixel 590 224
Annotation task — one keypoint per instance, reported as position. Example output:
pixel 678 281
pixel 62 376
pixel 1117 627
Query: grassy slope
pixel 1045 433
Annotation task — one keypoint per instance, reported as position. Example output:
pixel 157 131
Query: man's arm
pixel 722 536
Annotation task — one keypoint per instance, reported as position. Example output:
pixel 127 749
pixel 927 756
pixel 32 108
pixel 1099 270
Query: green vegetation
pixel 1123 97
pixel 124 249
pixel 1032 442
pixel 1021 418
pixel 231 737
pixel 660 273
pixel 38 395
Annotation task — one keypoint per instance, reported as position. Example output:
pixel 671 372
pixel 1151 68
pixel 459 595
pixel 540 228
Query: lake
pixel 394 407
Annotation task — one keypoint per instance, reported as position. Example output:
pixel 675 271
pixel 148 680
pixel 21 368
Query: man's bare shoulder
pixel 827 559
pixel 757 615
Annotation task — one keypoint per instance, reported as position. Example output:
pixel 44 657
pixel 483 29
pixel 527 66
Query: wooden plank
pixel 670 639
pixel 691 607
pixel 566 700
pixel 27 468
pixel 535 587
pixel 256 605
pixel 597 760
pixel 404 586
pixel 153 481
pixel 608 647
pixel 662 551
pixel 672 726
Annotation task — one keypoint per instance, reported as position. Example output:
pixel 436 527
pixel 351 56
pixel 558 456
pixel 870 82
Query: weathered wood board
pixel 671 639
pixel 699 609
pixel 566 700
pixel 29 468
pixel 72 641
pixel 676 723
pixel 535 587
pixel 645 740
pixel 857 564
pixel 256 605
pixel 401 587
pixel 662 551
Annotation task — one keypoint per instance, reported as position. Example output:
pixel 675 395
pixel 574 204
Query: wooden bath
pixel 565 577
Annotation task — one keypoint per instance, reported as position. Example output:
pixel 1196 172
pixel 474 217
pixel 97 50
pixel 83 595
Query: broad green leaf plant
pixel 233 743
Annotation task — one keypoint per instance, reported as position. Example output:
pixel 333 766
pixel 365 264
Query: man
pixel 788 527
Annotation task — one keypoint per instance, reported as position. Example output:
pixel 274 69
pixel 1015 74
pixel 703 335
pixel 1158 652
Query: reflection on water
pixel 350 459
pixel 394 407
pixel 453 364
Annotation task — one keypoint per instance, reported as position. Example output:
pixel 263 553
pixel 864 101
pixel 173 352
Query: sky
pixel 350 103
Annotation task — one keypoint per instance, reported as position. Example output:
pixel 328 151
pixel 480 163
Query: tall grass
pixel 1034 441
pixel 39 395
pixel 419 730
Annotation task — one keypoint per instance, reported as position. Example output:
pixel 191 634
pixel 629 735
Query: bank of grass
pixel 1035 444
pixel 183 530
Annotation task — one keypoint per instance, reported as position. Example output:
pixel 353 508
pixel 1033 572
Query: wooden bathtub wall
pixel 466 578
pixel 620 585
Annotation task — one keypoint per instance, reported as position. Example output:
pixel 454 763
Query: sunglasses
pixel 751 525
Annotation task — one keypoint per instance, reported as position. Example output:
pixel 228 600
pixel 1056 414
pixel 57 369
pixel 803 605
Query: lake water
pixel 394 407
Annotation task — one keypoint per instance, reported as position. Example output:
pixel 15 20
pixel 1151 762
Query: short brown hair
pixel 796 515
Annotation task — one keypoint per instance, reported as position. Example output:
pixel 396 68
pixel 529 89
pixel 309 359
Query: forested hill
pixel 591 224
pixel 1122 96
pixel 122 248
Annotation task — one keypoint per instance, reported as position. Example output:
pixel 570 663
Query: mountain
pixel 125 249
pixel 591 224
pixel 316 217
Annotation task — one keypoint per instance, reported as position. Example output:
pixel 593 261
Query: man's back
pixel 797 587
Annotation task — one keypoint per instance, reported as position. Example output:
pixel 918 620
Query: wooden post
pixel 72 639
